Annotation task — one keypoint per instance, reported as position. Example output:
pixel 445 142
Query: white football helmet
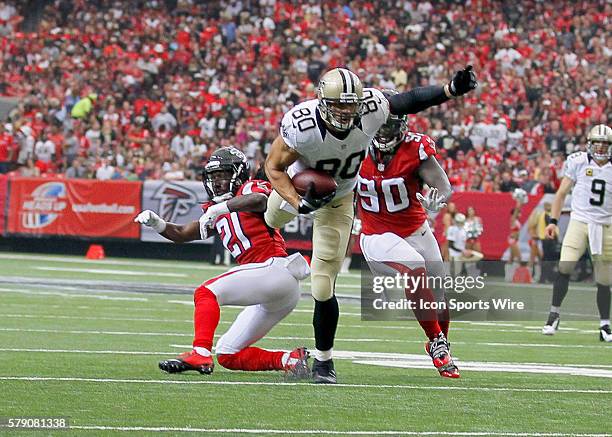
pixel 599 142
pixel 340 94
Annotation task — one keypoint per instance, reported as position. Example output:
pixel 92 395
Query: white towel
pixel 595 238
pixel 297 266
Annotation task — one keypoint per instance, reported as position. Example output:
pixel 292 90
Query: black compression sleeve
pixel 416 100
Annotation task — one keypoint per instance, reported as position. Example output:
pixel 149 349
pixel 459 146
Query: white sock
pixel 346 264
pixel 285 358
pixel 202 351
pixel 603 323
pixel 323 355
pixel 554 309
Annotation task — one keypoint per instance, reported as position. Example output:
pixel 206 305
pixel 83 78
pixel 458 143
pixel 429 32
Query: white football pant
pixel 269 290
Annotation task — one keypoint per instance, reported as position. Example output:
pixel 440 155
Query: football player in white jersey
pixel 590 225
pixel 331 133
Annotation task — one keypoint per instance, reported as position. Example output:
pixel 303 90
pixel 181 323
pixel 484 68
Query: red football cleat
pixel 188 361
pixel 297 364
pixel 440 355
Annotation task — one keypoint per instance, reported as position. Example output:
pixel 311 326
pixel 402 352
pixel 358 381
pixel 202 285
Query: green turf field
pixel 74 343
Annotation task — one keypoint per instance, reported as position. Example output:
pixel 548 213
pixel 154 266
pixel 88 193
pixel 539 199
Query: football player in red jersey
pixel 266 280
pixel 396 237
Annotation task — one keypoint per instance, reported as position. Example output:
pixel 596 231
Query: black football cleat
pixel 188 361
pixel 323 372
pixel 605 334
pixel 552 324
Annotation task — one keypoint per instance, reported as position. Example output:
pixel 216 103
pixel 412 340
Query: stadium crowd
pixel 146 89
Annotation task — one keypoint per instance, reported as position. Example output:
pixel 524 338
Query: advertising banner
pixel 3 196
pixel 495 210
pixel 78 207
pixel 177 202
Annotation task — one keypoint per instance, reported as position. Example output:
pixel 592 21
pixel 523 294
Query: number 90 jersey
pixel 303 130
pixel 387 194
pixel 591 196
pixel 245 234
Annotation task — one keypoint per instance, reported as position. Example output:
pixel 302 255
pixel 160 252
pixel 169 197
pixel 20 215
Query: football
pixel 324 184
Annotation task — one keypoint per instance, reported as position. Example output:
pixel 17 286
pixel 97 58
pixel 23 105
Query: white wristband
pixel 159 226
pixel 221 208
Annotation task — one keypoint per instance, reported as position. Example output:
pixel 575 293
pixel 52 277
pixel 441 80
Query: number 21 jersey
pixel 303 130
pixel 245 234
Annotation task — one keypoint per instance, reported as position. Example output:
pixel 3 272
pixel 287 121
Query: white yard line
pixel 292 384
pixel 323 431
pixel 298 338
pixel 111 272
pixel 109 262
pixel 73 295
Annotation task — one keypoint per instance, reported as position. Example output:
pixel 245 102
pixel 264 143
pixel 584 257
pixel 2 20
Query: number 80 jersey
pixel 592 192
pixel 387 194
pixel 304 131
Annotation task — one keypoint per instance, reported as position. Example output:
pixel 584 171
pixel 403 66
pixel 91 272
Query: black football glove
pixel 310 202
pixel 463 82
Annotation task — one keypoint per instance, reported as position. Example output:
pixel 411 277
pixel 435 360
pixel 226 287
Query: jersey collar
pixel 590 158
pixel 323 127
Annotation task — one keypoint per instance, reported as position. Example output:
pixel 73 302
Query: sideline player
pixel 590 225
pixel 395 234
pixel 331 133
pixel 266 280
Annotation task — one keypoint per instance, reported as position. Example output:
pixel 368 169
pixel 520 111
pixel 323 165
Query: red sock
pixel 444 320
pixel 205 317
pixel 427 318
pixel 252 359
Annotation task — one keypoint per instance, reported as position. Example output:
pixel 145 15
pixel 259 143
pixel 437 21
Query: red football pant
pixel 423 298
pixel 205 317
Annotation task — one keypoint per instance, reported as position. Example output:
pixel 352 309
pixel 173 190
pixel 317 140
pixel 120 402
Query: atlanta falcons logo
pixel 174 201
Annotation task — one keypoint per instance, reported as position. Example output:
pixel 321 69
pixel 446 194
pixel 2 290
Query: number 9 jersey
pixel 304 131
pixel 387 192
pixel 592 192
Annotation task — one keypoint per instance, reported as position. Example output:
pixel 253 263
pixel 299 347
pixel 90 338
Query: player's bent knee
pixel 203 293
pixel 566 267
pixel 322 287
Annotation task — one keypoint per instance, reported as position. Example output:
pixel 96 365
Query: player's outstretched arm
pixel 171 231
pixel 252 202
pixel 433 175
pixel 419 99
pixel 566 185
pixel 279 159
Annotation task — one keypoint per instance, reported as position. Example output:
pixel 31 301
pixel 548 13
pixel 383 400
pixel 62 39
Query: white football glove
pixel 152 220
pixel 211 214
pixel 433 201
